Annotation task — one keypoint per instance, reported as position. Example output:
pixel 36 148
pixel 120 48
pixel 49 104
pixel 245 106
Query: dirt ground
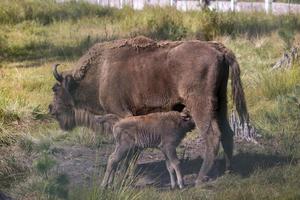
pixel 85 166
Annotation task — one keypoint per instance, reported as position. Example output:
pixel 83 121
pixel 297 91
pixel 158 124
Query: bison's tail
pixel 237 88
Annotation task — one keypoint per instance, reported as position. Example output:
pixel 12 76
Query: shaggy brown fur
pixel 157 130
pixel 115 77
pixel 68 117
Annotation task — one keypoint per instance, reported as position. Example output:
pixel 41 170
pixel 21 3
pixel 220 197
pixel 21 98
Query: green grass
pixel 276 183
pixel 39 30
pixel 36 34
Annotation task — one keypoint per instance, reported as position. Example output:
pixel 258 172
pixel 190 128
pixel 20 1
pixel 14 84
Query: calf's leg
pixel 131 158
pixel 170 152
pixel 171 172
pixel 114 159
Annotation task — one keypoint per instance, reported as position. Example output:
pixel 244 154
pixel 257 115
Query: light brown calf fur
pixel 157 130
pixel 139 76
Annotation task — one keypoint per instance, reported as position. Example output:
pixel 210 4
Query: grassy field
pixel 36 34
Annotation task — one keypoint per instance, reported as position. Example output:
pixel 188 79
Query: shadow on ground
pixel 244 164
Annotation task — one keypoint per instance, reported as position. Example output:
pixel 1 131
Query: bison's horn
pixel 57 76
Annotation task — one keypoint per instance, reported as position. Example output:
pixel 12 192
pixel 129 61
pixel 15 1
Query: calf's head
pixel 107 121
pixel 187 123
pixel 62 106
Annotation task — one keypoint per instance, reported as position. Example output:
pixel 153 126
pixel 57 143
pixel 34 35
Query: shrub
pixel 57 187
pixel 165 28
pixel 279 83
pixel 44 164
pixel 210 24
pixel 3 46
pixel 288 26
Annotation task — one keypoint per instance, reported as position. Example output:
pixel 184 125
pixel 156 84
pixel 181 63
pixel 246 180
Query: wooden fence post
pixel 268 6
pixel 233 5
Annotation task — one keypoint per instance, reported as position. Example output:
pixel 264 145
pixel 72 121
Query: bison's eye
pixel 55 87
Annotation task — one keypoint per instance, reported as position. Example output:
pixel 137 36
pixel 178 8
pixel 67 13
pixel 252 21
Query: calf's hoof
pixel 104 185
pixel 173 187
pixel 181 186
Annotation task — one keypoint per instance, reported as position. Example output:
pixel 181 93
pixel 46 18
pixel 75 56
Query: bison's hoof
pixel 173 187
pixel 201 180
pixel 228 171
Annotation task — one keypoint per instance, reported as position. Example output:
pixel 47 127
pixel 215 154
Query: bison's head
pixel 63 107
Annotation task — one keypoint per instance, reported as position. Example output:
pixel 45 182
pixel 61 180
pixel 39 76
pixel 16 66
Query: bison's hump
pixel 94 53
pixel 142 42
pixel 137 42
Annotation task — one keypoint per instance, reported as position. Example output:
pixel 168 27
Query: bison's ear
pixel 69 83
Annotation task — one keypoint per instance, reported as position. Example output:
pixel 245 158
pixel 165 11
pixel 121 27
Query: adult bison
pixel 139 76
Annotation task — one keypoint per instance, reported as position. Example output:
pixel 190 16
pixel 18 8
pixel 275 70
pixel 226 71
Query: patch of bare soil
pixel 85 166
pixel 14 164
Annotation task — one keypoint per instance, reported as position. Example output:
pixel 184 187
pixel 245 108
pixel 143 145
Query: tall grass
pixel 48 30
pixel 48 11
pixel 27 41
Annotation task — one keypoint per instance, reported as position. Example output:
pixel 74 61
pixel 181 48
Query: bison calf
pixel 157 130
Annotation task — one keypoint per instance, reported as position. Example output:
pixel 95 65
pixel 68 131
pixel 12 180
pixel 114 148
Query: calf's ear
pixel 100 119
pixel 185 116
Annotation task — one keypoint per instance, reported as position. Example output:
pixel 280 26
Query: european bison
pixel 163 130
pixel 140 76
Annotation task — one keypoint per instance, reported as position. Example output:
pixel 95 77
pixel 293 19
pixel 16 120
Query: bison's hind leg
pixel 226 139
pixel 212 143
pixel 226 131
